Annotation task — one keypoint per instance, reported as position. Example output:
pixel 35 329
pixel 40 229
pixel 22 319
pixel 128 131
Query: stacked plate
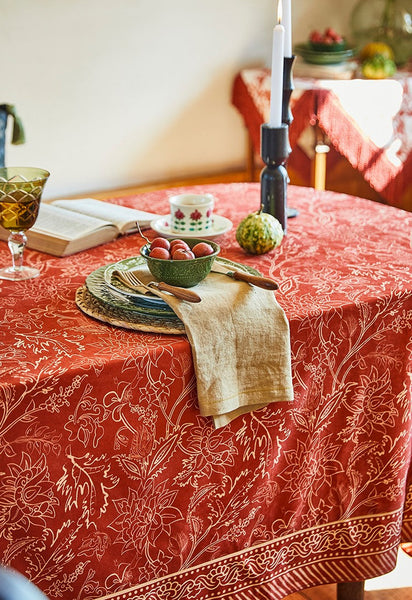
pixel 122 305
pixel 111 292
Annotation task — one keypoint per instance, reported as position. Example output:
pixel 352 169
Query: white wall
pixel 121 92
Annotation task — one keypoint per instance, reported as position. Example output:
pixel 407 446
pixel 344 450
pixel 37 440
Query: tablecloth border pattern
pixel 265 571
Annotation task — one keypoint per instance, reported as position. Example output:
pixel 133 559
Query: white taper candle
pixel 287 23
pixel 276 85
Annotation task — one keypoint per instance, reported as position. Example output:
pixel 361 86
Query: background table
pixel 367 122
pixel 110 479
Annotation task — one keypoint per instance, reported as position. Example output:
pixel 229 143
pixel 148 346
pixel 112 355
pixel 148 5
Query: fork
pixel 130 279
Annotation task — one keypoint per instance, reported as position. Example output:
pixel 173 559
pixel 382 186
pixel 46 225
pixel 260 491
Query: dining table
pixel 366 122
pixel 114 486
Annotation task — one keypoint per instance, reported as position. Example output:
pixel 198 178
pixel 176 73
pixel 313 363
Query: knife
pixel 263 282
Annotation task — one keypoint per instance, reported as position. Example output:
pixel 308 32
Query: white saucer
pixel 220 226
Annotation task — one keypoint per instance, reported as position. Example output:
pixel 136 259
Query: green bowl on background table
pixel 322 47
pixel 322 57
pixel 183 273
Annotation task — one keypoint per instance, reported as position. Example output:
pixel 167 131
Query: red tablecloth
pixel 367 122
pixel 110 479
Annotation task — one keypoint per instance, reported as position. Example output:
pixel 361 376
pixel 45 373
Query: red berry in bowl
pixel 178 247
pixel 202 249
pixel 179 243
pixel 160 253
pixel 160 242
pixel 181 254
pixel 328 41
pixel 315 36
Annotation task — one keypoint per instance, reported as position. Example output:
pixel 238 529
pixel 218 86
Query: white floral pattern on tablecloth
pixel 112 484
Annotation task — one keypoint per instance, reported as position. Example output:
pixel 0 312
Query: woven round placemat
pixel 123 318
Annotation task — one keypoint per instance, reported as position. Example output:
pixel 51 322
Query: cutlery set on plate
pixel 131 279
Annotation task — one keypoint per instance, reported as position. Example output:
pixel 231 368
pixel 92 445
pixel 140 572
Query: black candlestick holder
pixel 275 150
pixel 288 88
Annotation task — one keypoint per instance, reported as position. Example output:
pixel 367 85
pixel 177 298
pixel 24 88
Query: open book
pixel 67 226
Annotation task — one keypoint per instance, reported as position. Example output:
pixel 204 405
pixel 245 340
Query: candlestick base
pixel 275 150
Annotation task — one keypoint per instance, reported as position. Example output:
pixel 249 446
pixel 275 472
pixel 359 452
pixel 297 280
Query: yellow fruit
pixel 378 67
pixel 373 48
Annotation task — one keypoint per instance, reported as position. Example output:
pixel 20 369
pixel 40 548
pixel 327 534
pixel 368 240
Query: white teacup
pixel 191 213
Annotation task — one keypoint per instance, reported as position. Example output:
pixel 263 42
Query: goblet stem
pixel 17 242
pixel 18 272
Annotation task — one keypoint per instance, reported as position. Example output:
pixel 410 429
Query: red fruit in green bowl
pixel 202 249
pixel 181 254
pixel 160 253
pixel 160 242
pixel 177 243
pixel 178 247
pixel 328 41
pixel 316 36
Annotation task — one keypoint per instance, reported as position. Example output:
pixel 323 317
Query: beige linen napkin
pixel 240 343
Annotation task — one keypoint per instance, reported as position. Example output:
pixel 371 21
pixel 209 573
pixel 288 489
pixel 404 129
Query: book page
pixel 66 224
pixel 123 217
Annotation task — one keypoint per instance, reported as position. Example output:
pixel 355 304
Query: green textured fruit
pixel 378 67
pixel 259 233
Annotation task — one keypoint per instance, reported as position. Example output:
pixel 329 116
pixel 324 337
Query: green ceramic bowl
pixel 319 47
pixel 317 57
pixel 184 273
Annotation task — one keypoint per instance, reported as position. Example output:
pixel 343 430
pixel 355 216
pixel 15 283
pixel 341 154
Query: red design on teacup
pixel 196 215
pixel 179 214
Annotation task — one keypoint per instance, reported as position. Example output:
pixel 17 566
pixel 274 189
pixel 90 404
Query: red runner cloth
pixel 387 169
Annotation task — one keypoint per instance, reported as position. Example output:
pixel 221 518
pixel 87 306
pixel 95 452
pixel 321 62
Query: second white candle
pixel 287 23
pixel 276 90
